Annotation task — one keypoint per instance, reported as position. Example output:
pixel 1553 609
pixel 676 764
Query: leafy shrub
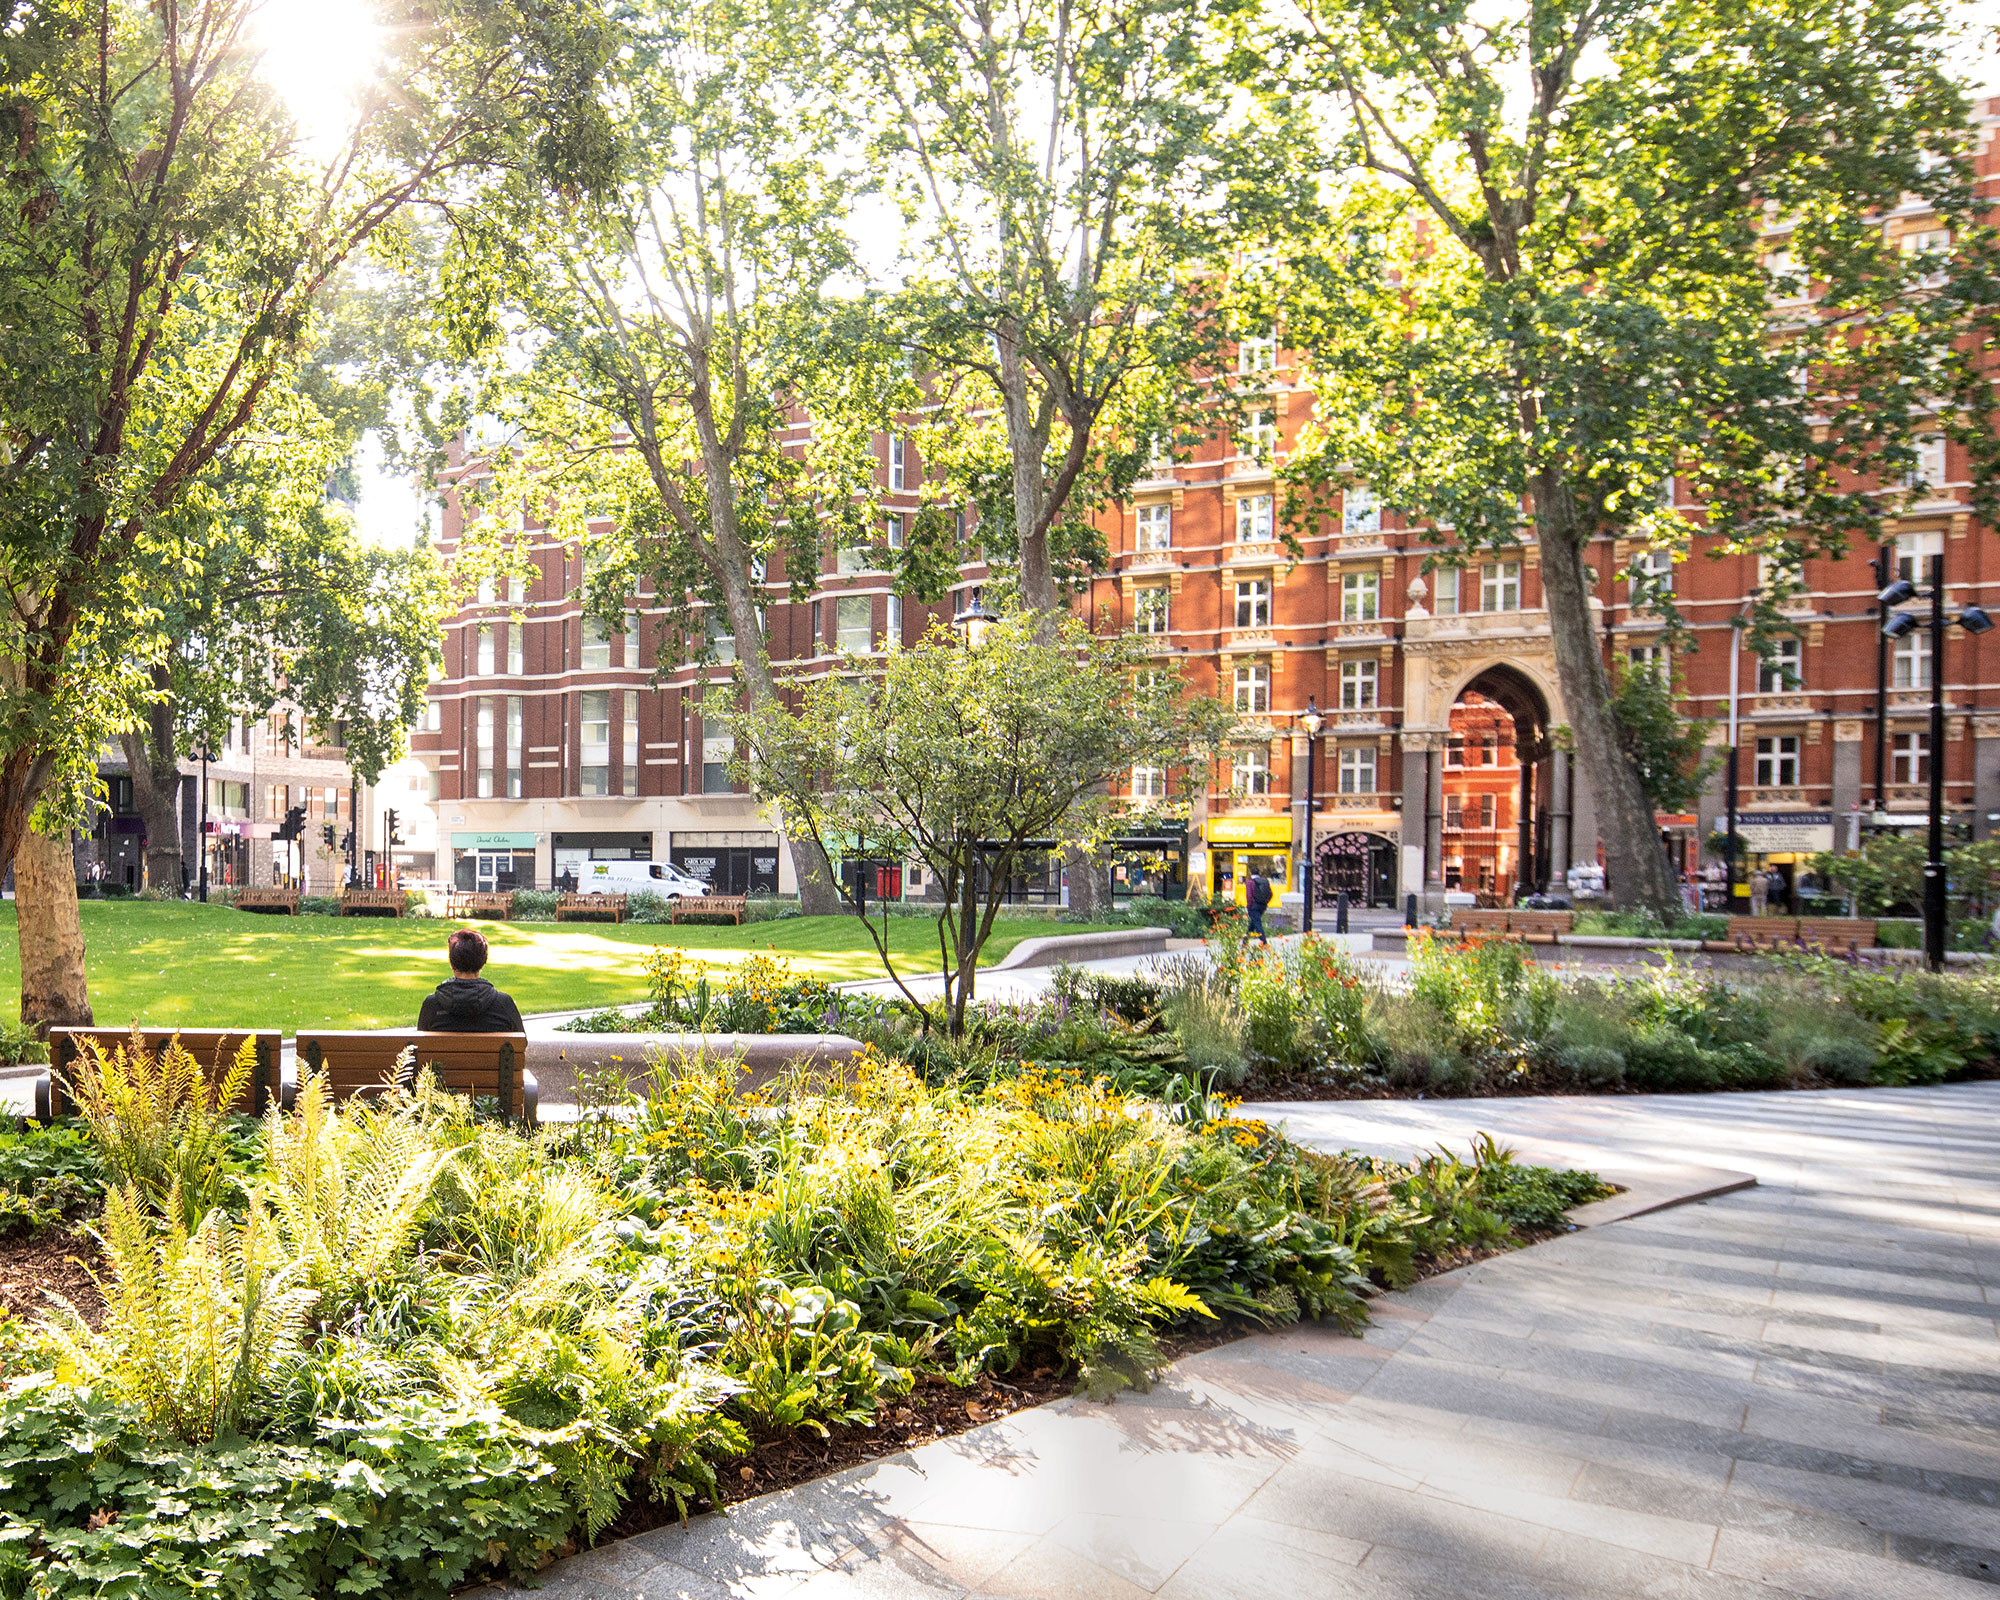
pixel 536 905
pixel 1208 1020
pixel 21 1044
pixel 1644 925
pixel 160 1121
pixel 47 1175
pixel 319 905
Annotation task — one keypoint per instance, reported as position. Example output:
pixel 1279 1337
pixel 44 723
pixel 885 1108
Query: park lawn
pixel 169 963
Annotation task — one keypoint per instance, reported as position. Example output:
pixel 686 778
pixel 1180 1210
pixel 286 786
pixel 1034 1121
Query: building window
pixel 1257 352
pixel 892 631
pixel 1149 783
pixel 515 639
pixel 721 645
pixel 631 638
pixel 484 654
pixel 1454 811
pixel 595 744
pixel 1444 600
pixel 854 620
pixel 1928 477
pixel 1910 758
pixel 1360 593
pixel 517 591
pixel 1156 526
pixel 1651 573
pixel 433 716
pixel 717 751
pixel 1647 658
pixel 1788 283
pixel 1500 586
pixel 1357 769
pixel 1927 249
pixel 1357 685
pixel 483 766
pixel 1254 519
pixel 596 645
pixel 1260 432
pixel 628 768
pixel 1360 511
pixel 1250 770
pixel 514 743
pixel 1911 659
pixel 1778 762
pixel 1488 808
pixel 1149 609
pixel 1915 554
pixel 1253 603
pixel 854 558
pixel 1783 671
pixel 1253 689
pixel 898 458
pixel 893 530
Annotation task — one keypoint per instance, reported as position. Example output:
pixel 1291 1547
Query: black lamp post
pixel 1310 720
pixel 1898 625
pixel 203 842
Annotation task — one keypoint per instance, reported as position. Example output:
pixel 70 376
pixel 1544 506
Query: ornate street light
pixel 973 622
pixel 1311 721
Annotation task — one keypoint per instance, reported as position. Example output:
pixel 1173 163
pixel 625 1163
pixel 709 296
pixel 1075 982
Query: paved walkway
pixel 1792 1390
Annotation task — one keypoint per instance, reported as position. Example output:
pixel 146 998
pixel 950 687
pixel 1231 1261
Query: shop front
pixel 739 861
pixel 1780 842
pixel 570 851
pixel 1150 861
pixel 1239 847
pixel 1355 863
pixel 493 863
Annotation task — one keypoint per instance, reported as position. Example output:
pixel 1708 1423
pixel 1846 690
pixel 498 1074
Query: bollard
pixel 1409 910
pixel 1340 913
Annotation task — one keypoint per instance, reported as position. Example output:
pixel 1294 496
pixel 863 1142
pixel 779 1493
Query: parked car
pixel 638 877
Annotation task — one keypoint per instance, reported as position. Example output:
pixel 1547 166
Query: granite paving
pixel 1791 1389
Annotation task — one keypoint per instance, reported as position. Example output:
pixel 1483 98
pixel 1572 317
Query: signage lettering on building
pixel 494 841
pixel 1774 832
pixel 1249 830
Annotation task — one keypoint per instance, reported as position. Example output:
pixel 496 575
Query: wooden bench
pixel 691 906
pixel 1465 919
pixel 285 902
pixel 371 902
pixel 1539 927
pixel 484 903
pixel 214 1048
pixel 591 905
pixel 1752 934
pixel 1845 936
pixel 364 1064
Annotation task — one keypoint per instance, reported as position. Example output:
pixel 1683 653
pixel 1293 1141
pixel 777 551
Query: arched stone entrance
pixel 1497 788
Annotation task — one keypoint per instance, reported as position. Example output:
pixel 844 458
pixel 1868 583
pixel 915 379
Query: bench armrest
pixel 531 1098
pixel 45 1096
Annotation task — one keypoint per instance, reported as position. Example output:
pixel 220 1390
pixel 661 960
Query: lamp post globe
pixel 973 623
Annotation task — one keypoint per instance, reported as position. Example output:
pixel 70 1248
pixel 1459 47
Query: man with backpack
pixel 1257 901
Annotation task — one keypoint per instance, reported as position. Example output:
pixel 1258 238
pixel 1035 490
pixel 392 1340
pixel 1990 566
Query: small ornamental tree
pixel 959 757
pixel 1667 750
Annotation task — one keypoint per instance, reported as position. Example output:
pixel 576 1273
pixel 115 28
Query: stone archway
pixel 1497 788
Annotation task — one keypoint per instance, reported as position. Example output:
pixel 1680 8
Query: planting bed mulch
pixel 60 1259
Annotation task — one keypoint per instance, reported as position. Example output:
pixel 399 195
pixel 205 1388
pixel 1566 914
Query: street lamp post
pixel 973 622
pixel 203 842
pixel 1898 625
pixel 1310 720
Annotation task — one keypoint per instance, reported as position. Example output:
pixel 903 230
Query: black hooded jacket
pixel 469 1005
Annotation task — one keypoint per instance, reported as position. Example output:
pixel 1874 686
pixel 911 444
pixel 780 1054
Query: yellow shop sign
pixel 1248 830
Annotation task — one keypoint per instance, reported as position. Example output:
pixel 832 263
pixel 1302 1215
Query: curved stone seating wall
pixel 1052 949
pixel 556 1062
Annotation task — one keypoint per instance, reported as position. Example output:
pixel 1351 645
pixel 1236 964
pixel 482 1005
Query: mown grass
pixel 208 966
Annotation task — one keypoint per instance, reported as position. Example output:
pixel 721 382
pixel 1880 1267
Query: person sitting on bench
pixel 466 1002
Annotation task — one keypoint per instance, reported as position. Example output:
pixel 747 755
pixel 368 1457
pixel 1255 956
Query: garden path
pixel 1789 1390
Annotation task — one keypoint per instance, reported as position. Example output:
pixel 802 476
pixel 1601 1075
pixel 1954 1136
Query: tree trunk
pixel 1636 867
pixel 156 790
pixel 1025 444
pixel 1089 883
pixel 54 988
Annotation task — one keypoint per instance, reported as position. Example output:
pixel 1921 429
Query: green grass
pixel 208 966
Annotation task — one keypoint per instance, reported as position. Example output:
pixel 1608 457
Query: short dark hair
pixel 468 950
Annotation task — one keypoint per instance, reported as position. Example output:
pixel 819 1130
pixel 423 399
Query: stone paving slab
pixel 1786 1390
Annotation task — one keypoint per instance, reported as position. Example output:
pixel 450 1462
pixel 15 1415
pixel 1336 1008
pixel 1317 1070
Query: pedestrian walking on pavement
pixel 1257 903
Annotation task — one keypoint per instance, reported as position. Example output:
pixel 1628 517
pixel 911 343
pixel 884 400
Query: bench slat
pixel 465 1063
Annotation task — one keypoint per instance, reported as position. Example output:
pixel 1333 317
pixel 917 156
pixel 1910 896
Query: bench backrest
pixel 1763 928
pixel 1466 920
pixel 214 1048
pixel 1540 921
pixel 1842 930
pixel 266 897
pixel 372 897
pixel 465 1063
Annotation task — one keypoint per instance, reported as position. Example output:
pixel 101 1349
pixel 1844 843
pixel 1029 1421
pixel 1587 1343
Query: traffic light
pixel 391 820
pixel 294 825
pixel 346 841
pixel 326 834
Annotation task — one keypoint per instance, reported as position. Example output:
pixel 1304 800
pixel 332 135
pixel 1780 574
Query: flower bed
pixel 404 1347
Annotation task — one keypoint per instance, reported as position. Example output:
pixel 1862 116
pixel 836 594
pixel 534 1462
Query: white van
pixel 638 877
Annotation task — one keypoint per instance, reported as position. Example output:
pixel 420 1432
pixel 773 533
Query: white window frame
pixel 856 637
pixel 1260 432
pixel 1154 528
pixel 1784 670
pixel 1927 479
pixel 1910 663
pixel 1149 783
pixel 1909 758
pixel 1445 587
pixel 1152 610
pixel 1651 573
pixel 1911 551
pixel 898 463
pixel 1500 586
pixel 593 742
pixel 1257 352
pixel 1358 769
pixel 1360 511
pixel 1360 596
pixel 594 648
pixel 1253 688
pixel 1359 682
pixel 1256 518
pixel 1647 658
pixel 1778 761
pixel 1253 603
pixel 483 648
pixel 1250 769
